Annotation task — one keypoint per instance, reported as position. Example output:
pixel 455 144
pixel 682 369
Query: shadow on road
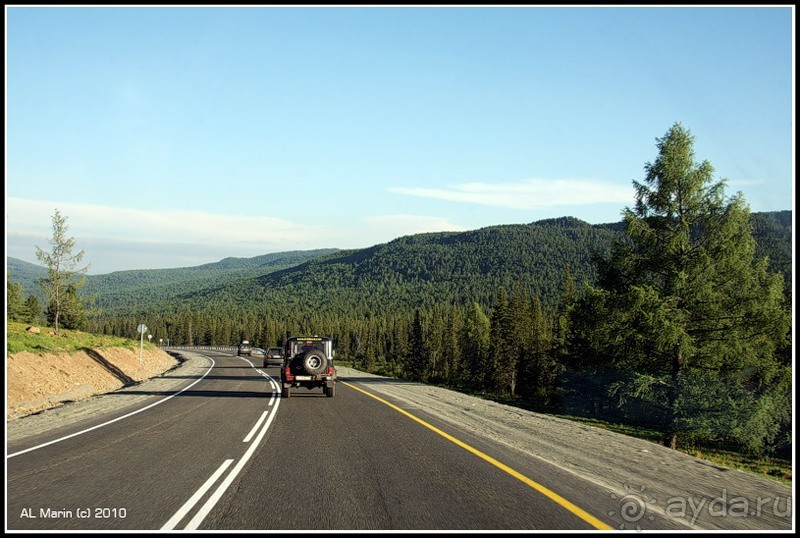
pixel 202 393
pixel 227 367
pixel 379 380
pixel 219 377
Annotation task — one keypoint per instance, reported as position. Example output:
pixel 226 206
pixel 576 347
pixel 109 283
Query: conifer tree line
pixel 682 328
pixel 21 309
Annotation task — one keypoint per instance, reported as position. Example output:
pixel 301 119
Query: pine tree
pixel 503 358
pixel 475 347
pixel 418 366
pixel 61 268
pixel 520 336
pixel 691 314
pixel 565 307
pixel 33 310
pixel 72 310
pixel 451 348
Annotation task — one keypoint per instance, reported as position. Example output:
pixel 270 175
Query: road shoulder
pixel 192 365
pixel 671 483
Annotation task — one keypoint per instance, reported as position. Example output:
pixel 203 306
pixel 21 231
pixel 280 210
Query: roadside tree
pixel 691 321
pixel 63 278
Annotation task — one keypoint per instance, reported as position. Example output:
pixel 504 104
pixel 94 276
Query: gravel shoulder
pixel 711 496
pixel 186 364
pixel 671 483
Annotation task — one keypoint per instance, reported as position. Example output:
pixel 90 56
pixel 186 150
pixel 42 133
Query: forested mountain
pixel 773 234
pixel 416 271
pixel 25 273
pixel 423 270
pixel 130 289
pixel 120 288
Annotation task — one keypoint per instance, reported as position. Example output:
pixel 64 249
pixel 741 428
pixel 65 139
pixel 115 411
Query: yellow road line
pixel 588 518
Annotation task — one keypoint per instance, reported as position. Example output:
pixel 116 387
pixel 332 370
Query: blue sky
pixel 172 137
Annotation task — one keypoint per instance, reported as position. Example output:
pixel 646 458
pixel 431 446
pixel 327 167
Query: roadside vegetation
pixel 774 467
pixel 67 341
pixel 769 466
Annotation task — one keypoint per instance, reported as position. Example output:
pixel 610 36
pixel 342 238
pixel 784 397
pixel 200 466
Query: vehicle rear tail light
pixel 288 374
pixel 330 370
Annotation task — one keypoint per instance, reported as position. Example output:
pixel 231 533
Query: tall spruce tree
pixel 692 320
pixel 545 367
pixel 475 337
pixel 417 366
pixel 501 378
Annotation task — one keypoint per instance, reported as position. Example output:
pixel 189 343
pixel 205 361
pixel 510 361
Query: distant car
pixel 273 357
pixel 245 348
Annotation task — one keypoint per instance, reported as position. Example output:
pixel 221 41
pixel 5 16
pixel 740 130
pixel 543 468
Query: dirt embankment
pixel 37 382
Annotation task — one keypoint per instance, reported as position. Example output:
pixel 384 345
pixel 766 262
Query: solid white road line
pixel 37 447
pixel 212 501
pixel 255 427
pixel 174 520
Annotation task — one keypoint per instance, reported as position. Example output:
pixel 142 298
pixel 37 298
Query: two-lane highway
pixel 355 463
pixel 227 453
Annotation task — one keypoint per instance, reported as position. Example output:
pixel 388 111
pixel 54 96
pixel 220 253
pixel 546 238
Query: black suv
pixel 308 362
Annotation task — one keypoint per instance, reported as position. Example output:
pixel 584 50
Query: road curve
pixel 224 452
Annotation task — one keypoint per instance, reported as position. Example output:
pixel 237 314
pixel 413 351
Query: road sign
pixel 142 328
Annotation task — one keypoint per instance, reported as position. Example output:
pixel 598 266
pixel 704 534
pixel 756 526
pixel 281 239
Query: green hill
pixel 416 271
pixel 423 270
pixel 124 288
pixel 26 274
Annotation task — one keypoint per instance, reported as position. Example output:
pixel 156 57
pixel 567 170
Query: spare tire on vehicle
pixel 314 362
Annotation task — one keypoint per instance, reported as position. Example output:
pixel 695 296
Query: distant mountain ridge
pixel 119 281
pixel 410 271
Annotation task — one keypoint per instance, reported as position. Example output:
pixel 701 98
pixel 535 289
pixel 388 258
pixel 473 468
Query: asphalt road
pixel 227 453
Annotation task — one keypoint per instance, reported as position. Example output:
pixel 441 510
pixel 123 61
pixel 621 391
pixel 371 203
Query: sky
pixel 177 136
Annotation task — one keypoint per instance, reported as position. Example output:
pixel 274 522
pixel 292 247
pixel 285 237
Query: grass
pixel 67 341
pixel 779 469
pixel 776 468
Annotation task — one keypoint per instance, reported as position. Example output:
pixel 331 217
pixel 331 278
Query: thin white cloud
pixel 528 194
pixel 386 225
pixel 117 239
pixel 26 216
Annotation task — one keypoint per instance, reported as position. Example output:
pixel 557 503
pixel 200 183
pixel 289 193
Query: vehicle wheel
pixel 314 362
pixel 330 390
pixel 286 392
